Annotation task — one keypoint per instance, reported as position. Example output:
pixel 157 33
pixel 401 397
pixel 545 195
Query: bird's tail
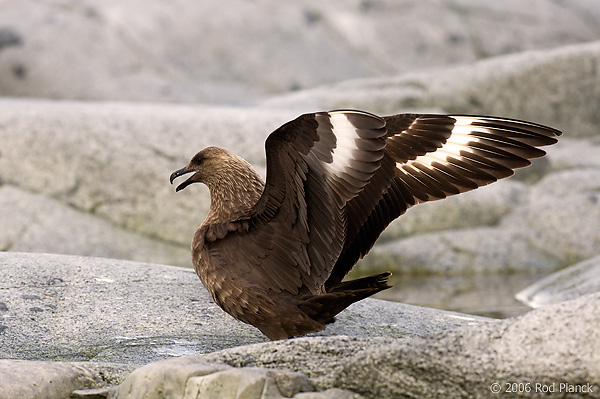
pixel 323 308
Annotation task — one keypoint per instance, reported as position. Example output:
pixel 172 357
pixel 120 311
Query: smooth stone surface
pixel 475 250
pixel 550 345
pixel 554 347
pixel 30 379
pixel 43 380
pixel 573 282
pixel 486 206
pixel 114 160
pixel 552 87
pixel 542 227
pixel 120 155
pixel 186 379
pixel 36 223
pixel 194 51
pixel 71 308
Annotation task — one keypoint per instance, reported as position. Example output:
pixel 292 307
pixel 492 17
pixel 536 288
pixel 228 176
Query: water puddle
pixel 483 295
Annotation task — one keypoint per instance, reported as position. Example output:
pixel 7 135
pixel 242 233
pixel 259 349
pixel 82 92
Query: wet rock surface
pixel 569 283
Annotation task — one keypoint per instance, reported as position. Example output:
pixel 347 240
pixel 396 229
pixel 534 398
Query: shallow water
pixel 483 295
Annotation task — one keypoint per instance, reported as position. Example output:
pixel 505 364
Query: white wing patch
pixel 352 146
pixel 462 135
pixel 345 134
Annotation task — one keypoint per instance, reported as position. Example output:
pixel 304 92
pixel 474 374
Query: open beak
pixel 181 172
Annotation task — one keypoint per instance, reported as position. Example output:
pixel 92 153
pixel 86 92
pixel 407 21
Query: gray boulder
pixel 573 282
pixel 486 206
pixel 43 380
pixel 99 310
pixel 473 250
pixel 71 308
pixel 36 223
pixel 575 153
pixel 533 355
pixel 561 217
pixel 186 378
pixel 542 227
pixel 180 378
pixel 556 87
pixel 191 51
pixel 537 348
pixel 114 160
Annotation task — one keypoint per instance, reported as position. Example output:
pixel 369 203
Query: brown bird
pixel 274 254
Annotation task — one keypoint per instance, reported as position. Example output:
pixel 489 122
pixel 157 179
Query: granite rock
pixel 71 308
pixel 194 51
pixel 37 223
pixel 557 87
pixel 474 250
pixel 554 346
pixel 42 380
pixel 113 160
pixel 185 378
pixel 572 282
pixel 552 349
pixel 547 347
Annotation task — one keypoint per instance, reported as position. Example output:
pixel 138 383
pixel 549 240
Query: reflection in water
pixel 483 295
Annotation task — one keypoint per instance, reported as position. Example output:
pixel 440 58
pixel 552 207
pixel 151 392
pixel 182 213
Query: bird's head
pixel 211 166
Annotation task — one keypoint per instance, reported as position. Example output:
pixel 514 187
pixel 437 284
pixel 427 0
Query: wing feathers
pixel 336 179
pixel 435 156
pixel 438 155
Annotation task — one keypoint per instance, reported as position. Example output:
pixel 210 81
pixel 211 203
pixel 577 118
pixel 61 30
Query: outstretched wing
pixel 429 157
pixel 316 164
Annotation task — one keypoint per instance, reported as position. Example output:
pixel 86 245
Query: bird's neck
pixel 233 194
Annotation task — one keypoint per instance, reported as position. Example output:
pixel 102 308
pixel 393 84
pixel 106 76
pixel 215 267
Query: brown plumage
pixel 274 254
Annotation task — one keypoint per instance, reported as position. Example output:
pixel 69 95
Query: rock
pixel 541 350
pixel 57 380
pixel 210 54
pixel 187 378
pixel 37 223
pixel 72 308
pixel 573 282
pixel 554 87
pixel 571 181
pixel 43 380
pixel 104 310
pixel 474 250
pixel 184 378
pixel 561 218
pixel 485 206
pixel 114 160
pixel 544 227
pixel 563 156
pixel 333 393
